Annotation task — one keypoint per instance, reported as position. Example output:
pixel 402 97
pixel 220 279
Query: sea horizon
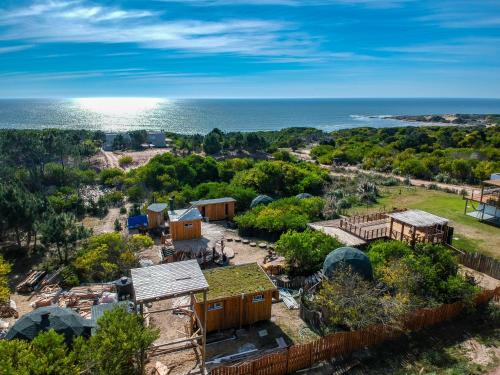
pixel 190 116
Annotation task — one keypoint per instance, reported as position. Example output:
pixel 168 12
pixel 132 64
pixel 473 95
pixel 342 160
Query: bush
pixel 279 178
pixel 431 271
pixel 111 176
pixel 114 198
pixel 108 256
pixel 279 216
pixel 305 251
pixel 125 161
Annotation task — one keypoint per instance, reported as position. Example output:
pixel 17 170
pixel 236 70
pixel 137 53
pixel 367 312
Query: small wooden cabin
pixel 237 296
pixel 216 209
pixel 156 215
pixel 185 224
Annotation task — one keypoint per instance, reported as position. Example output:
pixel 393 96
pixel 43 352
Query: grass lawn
pixel 470 234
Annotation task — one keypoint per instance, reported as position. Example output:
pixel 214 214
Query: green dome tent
pixel 62 320
pixel 261 199
pixel 303 196
pixel 350 256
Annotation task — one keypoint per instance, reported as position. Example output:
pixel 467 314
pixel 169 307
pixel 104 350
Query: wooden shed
pixel 237 296
pixel 414 226
pixel 185 224
pixel 156 215
pixel 216 209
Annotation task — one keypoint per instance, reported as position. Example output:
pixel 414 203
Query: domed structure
pixel 261 199
pixel 350 256
pixel 62 320
pixel 303 196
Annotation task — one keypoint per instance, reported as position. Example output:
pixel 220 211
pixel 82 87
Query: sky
pixel 250 48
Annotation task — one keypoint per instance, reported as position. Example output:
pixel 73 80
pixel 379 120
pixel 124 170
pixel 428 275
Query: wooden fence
pixel 481 263
pixel 303 356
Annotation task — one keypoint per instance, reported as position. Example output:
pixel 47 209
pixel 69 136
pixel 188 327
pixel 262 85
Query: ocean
pixel 190 116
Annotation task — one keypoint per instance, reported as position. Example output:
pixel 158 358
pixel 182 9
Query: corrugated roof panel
pixel 418 218
pixel 167 280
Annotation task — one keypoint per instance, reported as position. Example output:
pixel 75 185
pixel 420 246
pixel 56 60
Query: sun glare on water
pixel 119 106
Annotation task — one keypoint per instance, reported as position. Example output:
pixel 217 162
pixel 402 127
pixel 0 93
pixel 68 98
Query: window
pixel 258 298
pixel 188 226
pixel 215 306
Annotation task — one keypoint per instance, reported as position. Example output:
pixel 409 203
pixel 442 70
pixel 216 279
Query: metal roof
pixel 186 214
pixel 213 201
pixel 157 207
pixel 418 218
pixel 492 182
pixel 167 280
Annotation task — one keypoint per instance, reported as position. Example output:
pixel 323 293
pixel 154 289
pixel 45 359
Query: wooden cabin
pixel 185 224
pixel 216 209
pixel 237 296
pixel 156 215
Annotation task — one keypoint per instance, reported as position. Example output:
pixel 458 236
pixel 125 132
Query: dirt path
pixel 414 181
pixel 351 170
pixel 110 159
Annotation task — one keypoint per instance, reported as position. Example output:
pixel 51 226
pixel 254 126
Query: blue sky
pixel 250 48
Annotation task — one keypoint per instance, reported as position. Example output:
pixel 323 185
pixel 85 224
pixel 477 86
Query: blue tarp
pixel 135 222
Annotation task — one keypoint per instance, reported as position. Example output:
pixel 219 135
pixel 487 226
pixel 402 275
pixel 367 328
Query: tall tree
pixel 62 232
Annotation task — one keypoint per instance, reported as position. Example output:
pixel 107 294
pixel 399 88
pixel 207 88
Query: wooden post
pixel 204 328
pixel 241 309
pixel 413 237
pixel 402 230
pixel 390 229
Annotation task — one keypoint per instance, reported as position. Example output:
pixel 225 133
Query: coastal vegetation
pixel 405 279
pixel 270 221
pixel 117 347
pixel 445 154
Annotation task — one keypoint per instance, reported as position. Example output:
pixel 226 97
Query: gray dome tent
pixel 303 196
pixel 62 320
pixel 261 199
pixel 350 256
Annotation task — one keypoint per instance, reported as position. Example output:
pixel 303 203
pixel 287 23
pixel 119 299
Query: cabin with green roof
pixel 237 296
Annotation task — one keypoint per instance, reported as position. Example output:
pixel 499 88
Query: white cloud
pixel 11 49
pixel 294 3
pixel 79 22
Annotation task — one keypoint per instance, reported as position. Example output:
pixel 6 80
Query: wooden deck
pixel 332 228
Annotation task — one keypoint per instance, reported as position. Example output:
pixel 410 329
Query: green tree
pixel 305 251
pixel 212 144
pixel 119 345
pixel 46 354
pixel 5 269
pixel 62 232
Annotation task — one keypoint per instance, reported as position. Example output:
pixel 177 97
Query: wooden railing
pixel 366 234
pixel 303 356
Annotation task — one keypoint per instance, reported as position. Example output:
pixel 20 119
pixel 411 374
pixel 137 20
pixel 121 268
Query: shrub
pixel 125 161
pixel 279 216
pixel 111 176
pixel 107 256
pixel 305 251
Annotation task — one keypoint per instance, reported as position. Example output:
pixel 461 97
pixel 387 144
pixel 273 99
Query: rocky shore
pixel 455 119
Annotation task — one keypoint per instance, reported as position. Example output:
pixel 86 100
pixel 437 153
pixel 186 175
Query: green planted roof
pixel 233 281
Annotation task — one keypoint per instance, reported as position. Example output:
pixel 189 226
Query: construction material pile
pixel 30 282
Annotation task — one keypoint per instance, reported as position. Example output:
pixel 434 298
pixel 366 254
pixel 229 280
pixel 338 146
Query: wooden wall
pixel 155 219
pixel 217 211
pixel 237 311
pixel 180 230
